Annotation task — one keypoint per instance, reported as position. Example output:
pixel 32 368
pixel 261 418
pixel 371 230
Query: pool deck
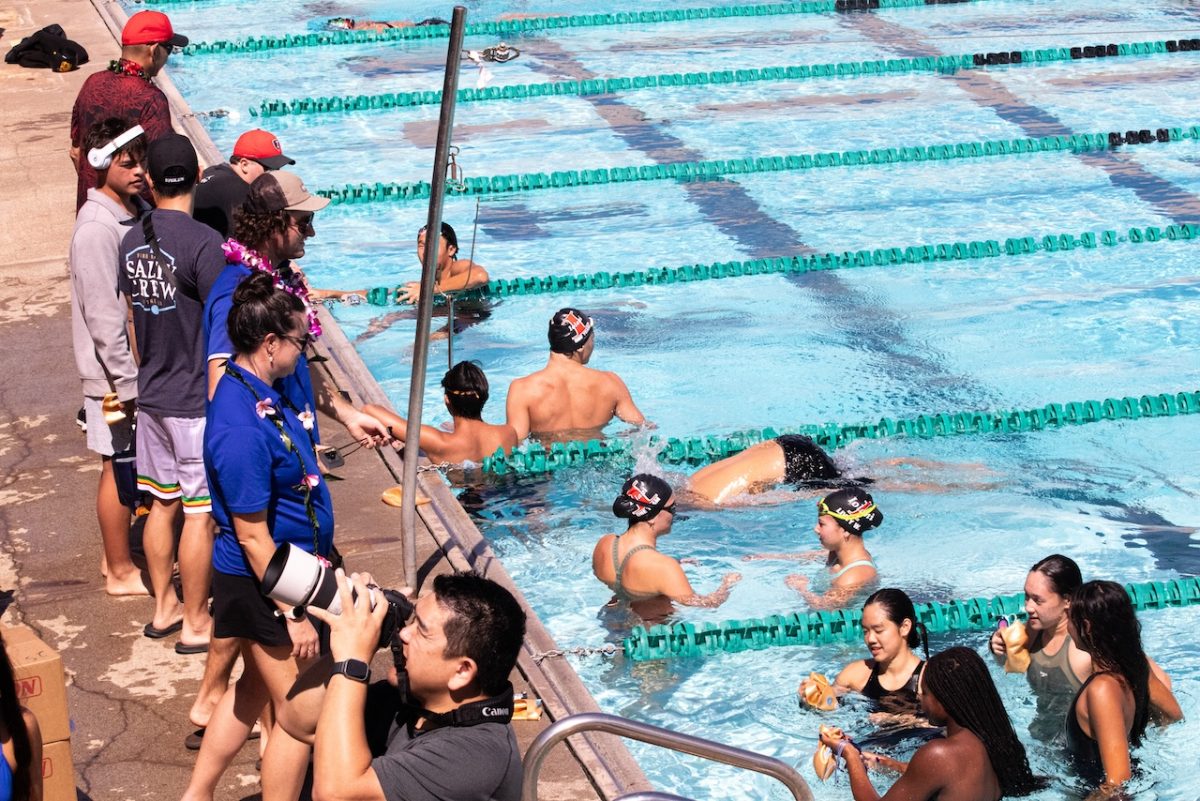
pixel 128 695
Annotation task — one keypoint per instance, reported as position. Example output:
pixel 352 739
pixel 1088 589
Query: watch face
pixel 354 669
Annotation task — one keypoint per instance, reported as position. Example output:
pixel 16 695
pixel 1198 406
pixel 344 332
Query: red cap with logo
pixel 151 27
pixel 263 147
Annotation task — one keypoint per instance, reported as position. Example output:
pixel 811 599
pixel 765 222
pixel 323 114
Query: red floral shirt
pixel 107 94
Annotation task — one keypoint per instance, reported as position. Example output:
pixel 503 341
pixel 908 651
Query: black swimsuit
pixel 803 460
pixel 901 700
pixel 1083 750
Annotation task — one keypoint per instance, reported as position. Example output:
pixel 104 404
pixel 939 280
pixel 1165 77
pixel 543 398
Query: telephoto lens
pixel 299 578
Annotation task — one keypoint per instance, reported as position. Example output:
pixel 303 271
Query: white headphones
pixel 101 158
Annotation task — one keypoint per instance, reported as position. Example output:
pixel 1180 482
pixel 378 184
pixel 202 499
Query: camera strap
pixel 497 709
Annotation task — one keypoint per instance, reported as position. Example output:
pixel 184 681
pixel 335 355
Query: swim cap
pixel 853 509
pixel 642 497
pixel 569 330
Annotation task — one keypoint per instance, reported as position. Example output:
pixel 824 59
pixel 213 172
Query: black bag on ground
pixel 49 48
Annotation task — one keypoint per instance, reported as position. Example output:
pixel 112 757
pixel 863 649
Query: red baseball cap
pixel 151 27
pixel 263 147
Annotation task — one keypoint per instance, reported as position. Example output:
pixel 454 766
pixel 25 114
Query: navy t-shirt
pixel 297 386
pixel 250 469
pixel 168 309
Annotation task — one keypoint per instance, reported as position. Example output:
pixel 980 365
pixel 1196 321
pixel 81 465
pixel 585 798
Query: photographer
pixel 443 732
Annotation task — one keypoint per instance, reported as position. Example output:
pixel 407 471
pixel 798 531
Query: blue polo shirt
pixel 250 469
pixel 297 386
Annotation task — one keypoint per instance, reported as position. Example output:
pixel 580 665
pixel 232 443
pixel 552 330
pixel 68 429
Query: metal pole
pixel 433 232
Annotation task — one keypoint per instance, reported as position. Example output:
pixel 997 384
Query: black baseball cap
pixel 171 161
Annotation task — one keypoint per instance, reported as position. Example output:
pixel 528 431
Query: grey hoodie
pixel 98 315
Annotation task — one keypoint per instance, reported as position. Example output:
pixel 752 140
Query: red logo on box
pixel 47 768
pixel 30 687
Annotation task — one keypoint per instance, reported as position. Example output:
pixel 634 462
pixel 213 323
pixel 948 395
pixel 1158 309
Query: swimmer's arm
pixel 625 408
pixel 675 585
pixel 835 598
pixel 516 409
pixel 334 294
pixel 362 426
pixel 1163 705
pixel 854 676
pixel 433 441
pixel 806 556
pixel 1102 702
pixel 467 277
pixel 875 760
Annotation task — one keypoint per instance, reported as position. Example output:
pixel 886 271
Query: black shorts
pixel 804 461
pixel 239 609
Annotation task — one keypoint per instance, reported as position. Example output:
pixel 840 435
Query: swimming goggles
pixel 867 510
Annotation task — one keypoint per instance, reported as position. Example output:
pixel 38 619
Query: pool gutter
pixel 605 760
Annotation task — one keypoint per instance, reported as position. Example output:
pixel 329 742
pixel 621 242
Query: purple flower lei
pixel 237 253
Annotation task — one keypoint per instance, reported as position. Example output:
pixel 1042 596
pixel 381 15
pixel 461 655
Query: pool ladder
pixel 665 738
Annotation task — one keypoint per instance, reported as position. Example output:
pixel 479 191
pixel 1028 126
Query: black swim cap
pixel 570 330
pixel 642 498
pixel 853 509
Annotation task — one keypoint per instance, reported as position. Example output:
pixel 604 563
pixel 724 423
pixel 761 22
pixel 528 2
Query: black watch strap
pixel 353 669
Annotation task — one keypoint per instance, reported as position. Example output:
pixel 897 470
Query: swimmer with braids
pixel 842 519
pixel 1109 714
pixel 980 758
pixel 631 565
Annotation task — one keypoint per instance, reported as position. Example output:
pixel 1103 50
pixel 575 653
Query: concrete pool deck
pixel 129 696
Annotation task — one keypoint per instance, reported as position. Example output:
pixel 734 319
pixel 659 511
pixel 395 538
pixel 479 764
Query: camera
pixel 299 578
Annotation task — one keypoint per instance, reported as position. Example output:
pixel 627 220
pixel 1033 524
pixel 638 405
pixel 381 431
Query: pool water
pixel 965 517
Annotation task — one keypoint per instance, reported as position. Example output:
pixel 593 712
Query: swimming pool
pixel 849 345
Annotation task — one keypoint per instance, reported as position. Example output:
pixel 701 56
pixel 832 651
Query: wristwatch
pixel 353 669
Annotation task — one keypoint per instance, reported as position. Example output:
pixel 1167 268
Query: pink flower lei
pixel 237 253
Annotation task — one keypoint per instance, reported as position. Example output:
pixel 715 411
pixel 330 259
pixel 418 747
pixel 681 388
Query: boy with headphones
pixel 115 149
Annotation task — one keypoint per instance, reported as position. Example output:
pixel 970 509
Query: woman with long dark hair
pixel 21 740
pixel 1058 666
pixel 892 634
pixel 979 759
pixel 1109 714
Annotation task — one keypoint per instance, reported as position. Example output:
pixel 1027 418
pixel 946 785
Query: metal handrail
pixel 664 738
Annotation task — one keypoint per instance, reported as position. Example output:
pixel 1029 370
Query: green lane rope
pixel 793 265
pixel 844 625
pixel 534 458
pixel 710 170
pixel 514 27
pixel 606 86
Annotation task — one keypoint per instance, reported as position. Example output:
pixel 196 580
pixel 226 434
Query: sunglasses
pixel 301 223
pixel 300 342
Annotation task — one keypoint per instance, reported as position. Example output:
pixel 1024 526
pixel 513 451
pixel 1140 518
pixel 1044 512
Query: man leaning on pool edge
pixel 447 727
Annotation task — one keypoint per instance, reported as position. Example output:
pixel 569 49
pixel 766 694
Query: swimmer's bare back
pixel 568 398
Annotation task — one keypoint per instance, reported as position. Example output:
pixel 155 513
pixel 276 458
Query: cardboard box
pixel 58 772
pixel 41 687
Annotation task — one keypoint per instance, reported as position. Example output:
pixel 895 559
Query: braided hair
pixel 14 720
pixel 1109 630
pixel 960 681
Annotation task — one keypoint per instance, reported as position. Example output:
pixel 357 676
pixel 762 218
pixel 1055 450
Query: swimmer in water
pixel 567 398
pixel 791 458
pixel 648 581
pixel 471 439
pixel 451 274
pixel 842 519
pixel 352 24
